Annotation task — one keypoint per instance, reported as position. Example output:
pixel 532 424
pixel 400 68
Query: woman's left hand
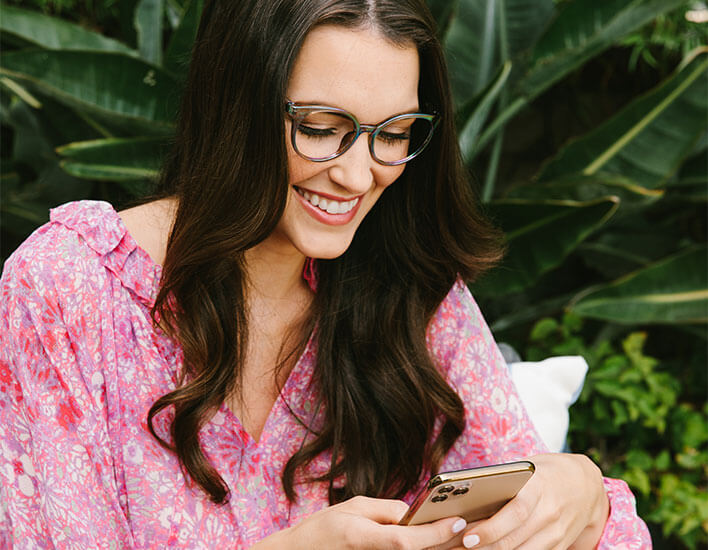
pixel 563 505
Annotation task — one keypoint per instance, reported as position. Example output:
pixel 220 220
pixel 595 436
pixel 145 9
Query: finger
pixel 379 510
pixel 506 529
pixel 428 535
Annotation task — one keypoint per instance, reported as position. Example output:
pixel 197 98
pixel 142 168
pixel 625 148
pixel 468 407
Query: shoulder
pixel 458 335
pixel 56 251
pixel 150 225
pixel 68 260
pixel 66 293
pixel 456 318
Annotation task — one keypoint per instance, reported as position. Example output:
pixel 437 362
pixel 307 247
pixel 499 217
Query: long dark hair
pixel 378 385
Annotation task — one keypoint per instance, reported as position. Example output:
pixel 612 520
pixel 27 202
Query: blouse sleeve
pixel 59 486
pixel 497 427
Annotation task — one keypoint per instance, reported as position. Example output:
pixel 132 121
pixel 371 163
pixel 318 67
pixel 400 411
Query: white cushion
pixel 547 388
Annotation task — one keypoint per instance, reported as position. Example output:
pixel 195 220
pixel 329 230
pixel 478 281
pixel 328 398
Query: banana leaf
pixel 180 46
pixel 580 187
pixel 540 234
pixel 31 28
pixel 483 34
pixel 472 116
pixel 114 159
pixel 647 140
pixel 111 86
pixel 148 26
pixel 442 11
pixel 582 30
pixel 673 290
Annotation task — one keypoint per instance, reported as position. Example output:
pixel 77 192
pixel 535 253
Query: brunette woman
pixel 279 349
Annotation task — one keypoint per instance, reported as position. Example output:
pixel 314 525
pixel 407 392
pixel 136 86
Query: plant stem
pixel 493 167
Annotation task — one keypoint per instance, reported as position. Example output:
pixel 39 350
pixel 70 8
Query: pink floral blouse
pixel 80 364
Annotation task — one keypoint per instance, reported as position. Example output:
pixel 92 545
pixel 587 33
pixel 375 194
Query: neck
pixel 274 273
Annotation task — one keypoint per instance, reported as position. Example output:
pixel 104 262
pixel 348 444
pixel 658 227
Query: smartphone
pixel 473 494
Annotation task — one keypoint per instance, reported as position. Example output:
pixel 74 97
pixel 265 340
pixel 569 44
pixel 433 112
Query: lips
pixel 327 208
pixel 331 206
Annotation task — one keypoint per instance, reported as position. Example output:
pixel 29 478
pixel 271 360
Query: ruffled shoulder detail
pixel 103 231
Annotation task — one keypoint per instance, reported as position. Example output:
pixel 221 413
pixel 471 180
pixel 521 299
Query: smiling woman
pixel 334 67
pixel 278 348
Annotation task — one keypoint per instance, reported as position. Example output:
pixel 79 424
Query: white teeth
pixel 328 205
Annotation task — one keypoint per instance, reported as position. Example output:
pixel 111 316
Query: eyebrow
pixel 318 103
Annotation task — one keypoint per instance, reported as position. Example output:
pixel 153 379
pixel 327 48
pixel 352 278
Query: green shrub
pixel 640 422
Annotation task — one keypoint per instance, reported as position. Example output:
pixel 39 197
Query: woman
pixel 184 374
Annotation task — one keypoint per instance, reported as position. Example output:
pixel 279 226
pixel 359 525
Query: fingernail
pixel 470 541
pixel 459 525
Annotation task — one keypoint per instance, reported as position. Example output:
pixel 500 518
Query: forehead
pixel 358 70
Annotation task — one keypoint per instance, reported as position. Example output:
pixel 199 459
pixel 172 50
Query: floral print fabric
pixel 80 364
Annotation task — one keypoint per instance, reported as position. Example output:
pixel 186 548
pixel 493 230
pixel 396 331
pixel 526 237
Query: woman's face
pixel 362 72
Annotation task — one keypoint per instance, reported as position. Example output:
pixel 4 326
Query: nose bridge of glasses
pixel 350 142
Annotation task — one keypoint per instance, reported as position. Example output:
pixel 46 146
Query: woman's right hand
pixel 362 523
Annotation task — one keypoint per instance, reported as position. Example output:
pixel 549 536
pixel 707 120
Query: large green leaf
pixel 482 34
pixel 540 234
pixel 579 187
pixel 114 159
pixel 109 85
pixel 442 11
pixel 36 29
pixel 34 181
pixel 148 26
pixel 674 290
pixel 581 31
pixel 472 116
pixel 525 314
pixel 584 29
pixel 647 140
pixel 180 47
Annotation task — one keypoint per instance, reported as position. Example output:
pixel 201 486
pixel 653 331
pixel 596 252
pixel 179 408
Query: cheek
pixel 300 169
pixel 389 174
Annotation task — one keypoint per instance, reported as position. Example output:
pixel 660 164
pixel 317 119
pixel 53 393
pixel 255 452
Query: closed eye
pixel 389 137
pixel 316 132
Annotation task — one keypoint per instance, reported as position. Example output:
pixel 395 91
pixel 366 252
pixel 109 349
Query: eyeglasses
pixel 321 133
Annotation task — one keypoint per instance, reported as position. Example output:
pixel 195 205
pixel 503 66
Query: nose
pixel 354 170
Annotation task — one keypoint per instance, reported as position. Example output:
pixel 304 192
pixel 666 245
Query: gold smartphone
pixel 473 494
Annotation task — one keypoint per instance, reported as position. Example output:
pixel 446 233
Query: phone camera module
pixel 439 498
pixel 445 489
pixel 460 490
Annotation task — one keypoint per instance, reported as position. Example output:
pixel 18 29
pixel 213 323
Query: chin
pixel 325 251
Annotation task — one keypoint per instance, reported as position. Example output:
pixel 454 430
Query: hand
pixel 563 505
pixel 362 523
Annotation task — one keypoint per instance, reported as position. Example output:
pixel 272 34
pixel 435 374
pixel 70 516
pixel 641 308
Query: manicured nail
pixel 470 541
pixel 459 525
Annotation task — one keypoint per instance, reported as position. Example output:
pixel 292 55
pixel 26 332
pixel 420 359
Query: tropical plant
pixel 610 224
pixel 638 420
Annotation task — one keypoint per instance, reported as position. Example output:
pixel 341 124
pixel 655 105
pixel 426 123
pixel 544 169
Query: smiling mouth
pixel 330 206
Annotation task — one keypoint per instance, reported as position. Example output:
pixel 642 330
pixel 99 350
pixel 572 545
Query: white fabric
pixel 547 388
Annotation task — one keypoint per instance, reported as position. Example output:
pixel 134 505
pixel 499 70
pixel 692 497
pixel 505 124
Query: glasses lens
pixel 402 138
pixel 322 134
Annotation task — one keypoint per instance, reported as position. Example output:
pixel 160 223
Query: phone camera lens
pixel 445 489
pixel 439 498
pixel 460 490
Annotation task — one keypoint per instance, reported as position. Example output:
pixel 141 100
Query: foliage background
pixel 584 125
